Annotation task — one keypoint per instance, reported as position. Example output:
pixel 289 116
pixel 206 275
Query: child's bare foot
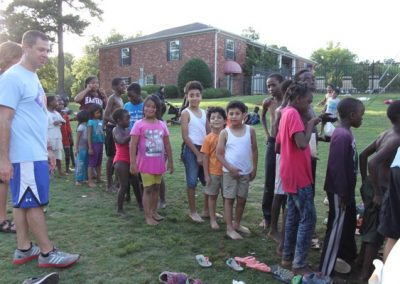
pixel 274 235
pixel 122 213
pixel 151 222
pixel 264 224
pixel 91 185
pixel 196 217
pixel 77 183
pixel 286 264
pixel 233 235
pixel 157 217
pixel 205 215
pixel 241 229
pixel 214 225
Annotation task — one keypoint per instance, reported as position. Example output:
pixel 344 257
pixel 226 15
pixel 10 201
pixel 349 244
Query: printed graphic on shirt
pixel 41 97
pixel 99 129
pixel 89 100
pixel 154 142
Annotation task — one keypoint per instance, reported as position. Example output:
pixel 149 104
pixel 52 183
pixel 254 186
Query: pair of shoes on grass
pixel 253 263
pixel 168 277
pixel 56 258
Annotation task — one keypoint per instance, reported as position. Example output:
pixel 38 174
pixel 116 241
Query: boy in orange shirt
pixel 216 117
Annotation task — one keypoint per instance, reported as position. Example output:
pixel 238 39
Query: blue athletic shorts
pixel 30 184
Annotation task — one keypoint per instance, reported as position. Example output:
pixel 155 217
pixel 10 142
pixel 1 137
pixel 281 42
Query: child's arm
pixel 90 140
pixel 254 149
pixel 186 139
pixel 208 128
pixel 132 153
pixel 206 160
pixel 107 112
pixel 266 105
pixel 221 155
pixel 303 138
pixel 168 150
pixel 376 166
pixel 363 159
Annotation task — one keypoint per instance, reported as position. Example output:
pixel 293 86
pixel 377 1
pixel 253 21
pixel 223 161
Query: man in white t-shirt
pixel 25 155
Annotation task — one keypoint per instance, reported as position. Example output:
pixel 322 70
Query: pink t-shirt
pixel 295 166
pixel 150 158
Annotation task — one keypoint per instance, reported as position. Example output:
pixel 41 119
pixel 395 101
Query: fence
pixel 356 78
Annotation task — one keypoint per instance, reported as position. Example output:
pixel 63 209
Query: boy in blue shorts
pixel 237 151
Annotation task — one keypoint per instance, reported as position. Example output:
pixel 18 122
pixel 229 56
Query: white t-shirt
pixel 20 90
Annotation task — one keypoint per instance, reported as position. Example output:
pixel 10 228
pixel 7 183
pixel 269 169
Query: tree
pixel 259 57
pixel 195 69
pixel 250 33
pixel 47 16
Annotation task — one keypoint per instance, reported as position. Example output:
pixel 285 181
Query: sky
pixel 365 27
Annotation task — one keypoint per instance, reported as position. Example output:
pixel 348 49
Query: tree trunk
pixel 60 67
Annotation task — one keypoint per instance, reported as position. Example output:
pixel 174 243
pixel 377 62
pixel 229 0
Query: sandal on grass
pixel 258 266
pixel 203 261
pixel 245 260
pixel 234 265
pixel 7 226
pixel 167 277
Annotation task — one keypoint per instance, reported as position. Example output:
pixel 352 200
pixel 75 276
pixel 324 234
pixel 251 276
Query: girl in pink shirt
pixel 149 143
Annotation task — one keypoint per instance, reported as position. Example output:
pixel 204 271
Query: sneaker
pixel 58 258
pixel 51 278
pixel 21 257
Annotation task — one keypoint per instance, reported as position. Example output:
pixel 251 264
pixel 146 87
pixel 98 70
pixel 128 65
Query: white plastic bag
pixel 328 129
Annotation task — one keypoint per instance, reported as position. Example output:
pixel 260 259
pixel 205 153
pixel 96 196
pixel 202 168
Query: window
pixel 230 49
pixel 127 80
pixel 125 56
pixel 174 50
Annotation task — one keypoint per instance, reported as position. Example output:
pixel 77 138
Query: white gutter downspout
pixel 215 57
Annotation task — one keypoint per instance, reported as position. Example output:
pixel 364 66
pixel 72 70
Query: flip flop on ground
pixel 203 261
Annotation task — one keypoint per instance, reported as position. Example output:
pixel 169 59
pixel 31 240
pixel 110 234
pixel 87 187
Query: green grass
pixel 116 250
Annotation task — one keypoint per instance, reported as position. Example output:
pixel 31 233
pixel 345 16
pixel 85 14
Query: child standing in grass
pixel 216 117
pixel 66 133
pixel 95 143
pixel 374 186
pixel 295 169
pixel 194 128
pixel 237 151
pixel 340 183
pixel 121 135
pixel 54 130
pixel 81 148
pixel 149 143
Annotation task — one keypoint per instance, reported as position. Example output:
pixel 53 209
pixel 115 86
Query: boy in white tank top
pixel 194 128
pixel 237 151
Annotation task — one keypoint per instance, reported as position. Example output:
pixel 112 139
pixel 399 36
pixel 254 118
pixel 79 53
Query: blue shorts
pixel 30 184
pixel 193 170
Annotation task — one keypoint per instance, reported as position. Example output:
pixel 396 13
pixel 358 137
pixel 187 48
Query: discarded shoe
pixel 167 277
pixel 203 261
pixel 258 266
pixel 244 260
pixel 232 263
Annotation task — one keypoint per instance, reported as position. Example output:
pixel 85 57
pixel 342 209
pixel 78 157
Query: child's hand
pixel 253 174
pixel 57 123
pixel 234 172
pixel 207 179
pixel 314 121
pixel 90 151
pixel 133 169
pixel 171 168
pixel 199 159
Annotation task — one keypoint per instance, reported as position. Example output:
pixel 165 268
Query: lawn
pixel 117 250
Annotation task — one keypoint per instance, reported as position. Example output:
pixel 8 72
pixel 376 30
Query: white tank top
pixel 197 127
pixel 238 151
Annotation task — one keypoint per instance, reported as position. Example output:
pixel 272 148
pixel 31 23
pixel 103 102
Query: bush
pixel 151 89
pixel 211 93
pixel 194 69
pixel 171 92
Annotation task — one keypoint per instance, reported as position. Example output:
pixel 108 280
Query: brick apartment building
pixel 157 58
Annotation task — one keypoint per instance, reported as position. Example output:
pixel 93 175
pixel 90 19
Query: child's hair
pixel 219 110
pixel 276 76
pixel 330 85
pixel 82 116
pixel 296 90
pixel 393 111
pixel 50 99
pixel 284 86
pixel 118 114
pixel 9 51
pixel 161 87
pixel 336 90
pixel 237 104
pixel 116 81
pixel 88 79
pixel 134 87
pixel 299 73
pixel 347 106
pixel 93 108
pixel 256 109
pixel 157 103
pixel 193 85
